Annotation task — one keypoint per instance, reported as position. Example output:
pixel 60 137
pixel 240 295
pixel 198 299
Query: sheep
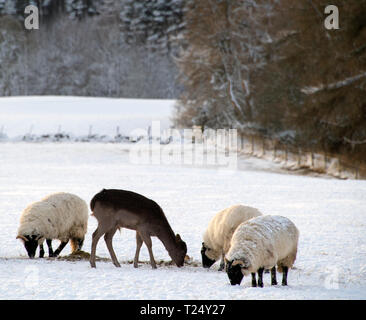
pixel 216 239
pixel 261 243
pixel 61 216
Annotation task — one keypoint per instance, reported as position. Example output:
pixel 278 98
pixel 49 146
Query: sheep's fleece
pixel 60 216
pixel 263 242
pixel 222 226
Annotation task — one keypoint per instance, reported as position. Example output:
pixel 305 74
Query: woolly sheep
pixel 259 244
pixel 61 216
pixel 216 239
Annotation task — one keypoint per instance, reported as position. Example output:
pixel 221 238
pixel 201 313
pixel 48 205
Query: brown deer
pixel 115 209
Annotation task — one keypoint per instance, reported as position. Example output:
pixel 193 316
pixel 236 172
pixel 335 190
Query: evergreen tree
pixel 154 23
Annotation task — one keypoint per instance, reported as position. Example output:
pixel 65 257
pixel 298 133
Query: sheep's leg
pixel 50 250
pixel 222 263
pixel 273 276
pixel 148 243
pixel 108 240
pixel 60 247
pixel 284 275
pixel 260 277
pixel 41 251
pixel 80 243
pixel 95 238
pixel 254 281
pixel 76 244
pixel 139 243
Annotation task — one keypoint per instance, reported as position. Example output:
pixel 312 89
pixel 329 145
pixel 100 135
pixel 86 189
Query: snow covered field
pixel 330 214
pixel 76 115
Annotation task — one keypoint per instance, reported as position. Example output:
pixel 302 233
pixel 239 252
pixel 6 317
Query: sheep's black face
pixel 31 245
pixel 206 261
pixel 234 273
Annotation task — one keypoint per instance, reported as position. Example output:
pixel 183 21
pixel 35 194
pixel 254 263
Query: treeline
pixel 272 68
pixel 91 48
pixel 267 67
pixel 49 8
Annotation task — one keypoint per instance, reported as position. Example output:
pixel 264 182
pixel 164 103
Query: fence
pixel 296 158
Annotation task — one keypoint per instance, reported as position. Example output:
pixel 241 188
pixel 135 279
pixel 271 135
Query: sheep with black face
pixel 262 243
pixel 61 216
pixel 216 240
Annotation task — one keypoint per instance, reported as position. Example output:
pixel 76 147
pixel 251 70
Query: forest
pixel 267 67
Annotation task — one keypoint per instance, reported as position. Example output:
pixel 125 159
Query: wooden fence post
pixel 339 167
pixel 286 155
pixel 325 162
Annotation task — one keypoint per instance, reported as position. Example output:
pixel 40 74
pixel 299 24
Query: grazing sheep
pixel 259 244
pixel 61 216
pixel 216 240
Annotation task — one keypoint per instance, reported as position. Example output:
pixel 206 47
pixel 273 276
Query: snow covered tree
pixel 12 58
pixel 225 44
pixel 154 23
pixel 272 66
pixel 332 77
pixel 81 49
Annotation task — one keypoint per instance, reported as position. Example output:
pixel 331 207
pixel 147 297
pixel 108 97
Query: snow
pixel 329 213
pixel 49 114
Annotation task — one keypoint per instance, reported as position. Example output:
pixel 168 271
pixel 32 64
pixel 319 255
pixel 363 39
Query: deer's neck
pixel 167 237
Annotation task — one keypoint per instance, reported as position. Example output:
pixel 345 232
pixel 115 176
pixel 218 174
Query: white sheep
pixel 259 244
pixel 61 216
pixel 216 239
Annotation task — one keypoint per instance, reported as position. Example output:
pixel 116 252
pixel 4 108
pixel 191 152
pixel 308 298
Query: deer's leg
pixel 50 250
pixel 139 242
pixel 147 240
pixel 108 240
pixel 95 238
pixel 60 247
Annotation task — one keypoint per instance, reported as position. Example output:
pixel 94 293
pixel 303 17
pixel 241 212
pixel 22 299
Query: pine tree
pixel 153 23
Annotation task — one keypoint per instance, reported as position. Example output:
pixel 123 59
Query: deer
pixel 115 209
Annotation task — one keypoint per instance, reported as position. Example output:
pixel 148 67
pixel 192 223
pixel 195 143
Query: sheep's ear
pixel 177 237
pixel 22 238
pixel 238 262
